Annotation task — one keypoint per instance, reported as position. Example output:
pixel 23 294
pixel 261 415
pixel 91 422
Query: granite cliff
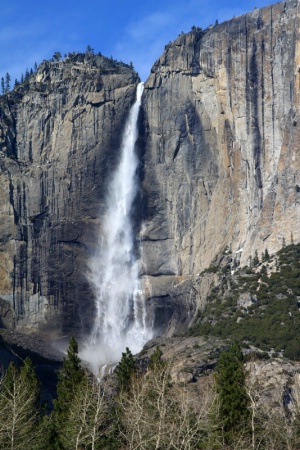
pixel 222 143
pixel 59 137
pixel 219 145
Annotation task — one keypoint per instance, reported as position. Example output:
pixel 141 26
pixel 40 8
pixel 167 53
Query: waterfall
pixel 120 318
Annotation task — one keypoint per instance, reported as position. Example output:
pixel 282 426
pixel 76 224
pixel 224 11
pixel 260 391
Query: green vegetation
pixel 90 58
pixel 125 371
pixel 150 411
pixel 5 84
pixel 56 56
pixel 230 385
pixel 69 379
pixel 259 305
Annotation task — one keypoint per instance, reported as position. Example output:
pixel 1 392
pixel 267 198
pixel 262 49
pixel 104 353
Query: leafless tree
pixel 87 416
pixel 19 415
pixel 156 414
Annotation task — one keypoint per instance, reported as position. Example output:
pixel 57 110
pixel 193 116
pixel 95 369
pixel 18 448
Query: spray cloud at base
pixel 120 316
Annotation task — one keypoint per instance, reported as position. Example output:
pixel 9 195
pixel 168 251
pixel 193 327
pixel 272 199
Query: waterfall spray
pixel 120 320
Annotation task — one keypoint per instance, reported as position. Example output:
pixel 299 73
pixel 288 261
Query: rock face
pixel 272 383
pixel 222 149
pixel 59 141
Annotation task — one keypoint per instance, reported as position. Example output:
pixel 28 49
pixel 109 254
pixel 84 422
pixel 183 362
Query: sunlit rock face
pixel 222 150
pixel 219 142
pixel 59 143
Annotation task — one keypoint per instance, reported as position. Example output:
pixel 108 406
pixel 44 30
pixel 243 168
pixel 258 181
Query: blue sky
pixel 128 30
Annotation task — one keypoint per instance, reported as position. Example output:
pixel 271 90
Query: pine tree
pixel 89 50
pixel 233 399
pixel 125 371
pixel 255 259
pixel 7 82
pixel 69 378
pixel 156 362
pixel 2 86
pixel 56 56
pixel 267 256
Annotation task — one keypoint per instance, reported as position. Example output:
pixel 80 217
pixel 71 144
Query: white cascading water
pixel 120 320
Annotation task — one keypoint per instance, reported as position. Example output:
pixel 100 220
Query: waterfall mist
pixel 120 319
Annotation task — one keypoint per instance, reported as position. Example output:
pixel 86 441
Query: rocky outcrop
pixel 59 138
pixel 272 383
pixel 222 142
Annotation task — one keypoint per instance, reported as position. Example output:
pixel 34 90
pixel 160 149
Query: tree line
pixel 6 81
pixel 143 409
pixel 57 56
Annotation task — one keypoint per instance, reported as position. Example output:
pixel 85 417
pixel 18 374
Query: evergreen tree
pixel 27 76
pixel 2 86
pixel 69 379
pixel 156 361
pixel 255 259
pixel 125 371
pixel 233 399
pixel 267 256
pixel 89 50
pixel 7 82
pixel 56 56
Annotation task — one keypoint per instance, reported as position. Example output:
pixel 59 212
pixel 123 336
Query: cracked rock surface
pixel 222 147
pixel 59 141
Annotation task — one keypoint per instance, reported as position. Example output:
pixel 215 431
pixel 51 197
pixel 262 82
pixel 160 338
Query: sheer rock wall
pixel 222 149
pixel 59 141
